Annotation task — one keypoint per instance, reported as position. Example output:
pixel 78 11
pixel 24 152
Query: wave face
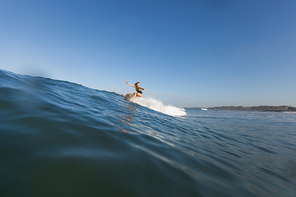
pixel 63 139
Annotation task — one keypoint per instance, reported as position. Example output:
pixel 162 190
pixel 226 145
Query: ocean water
pixel 63 139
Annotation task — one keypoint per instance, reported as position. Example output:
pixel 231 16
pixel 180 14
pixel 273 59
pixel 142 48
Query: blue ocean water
pixel 63 139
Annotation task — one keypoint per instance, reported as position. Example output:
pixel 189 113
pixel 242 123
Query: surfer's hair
pixel 136 84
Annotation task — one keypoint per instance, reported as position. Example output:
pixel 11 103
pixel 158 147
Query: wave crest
pixel 157 105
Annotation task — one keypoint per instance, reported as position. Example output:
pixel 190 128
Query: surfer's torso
pixel 138 89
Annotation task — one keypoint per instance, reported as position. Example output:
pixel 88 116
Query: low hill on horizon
pixel 281 108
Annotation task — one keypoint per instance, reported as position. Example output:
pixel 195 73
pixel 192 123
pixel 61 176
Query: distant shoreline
pixel 265 108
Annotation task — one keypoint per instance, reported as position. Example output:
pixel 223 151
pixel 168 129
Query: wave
pixel 157 105
pixel 56 135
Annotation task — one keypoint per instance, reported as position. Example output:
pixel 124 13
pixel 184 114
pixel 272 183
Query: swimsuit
pixel 139 90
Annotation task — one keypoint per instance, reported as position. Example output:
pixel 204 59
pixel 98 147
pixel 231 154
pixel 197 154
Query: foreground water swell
pixel 63 139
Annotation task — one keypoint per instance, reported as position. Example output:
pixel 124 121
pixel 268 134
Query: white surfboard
pixel 128 97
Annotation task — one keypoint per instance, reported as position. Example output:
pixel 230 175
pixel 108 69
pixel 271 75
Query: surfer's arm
pixel 143 88
pixel 129 84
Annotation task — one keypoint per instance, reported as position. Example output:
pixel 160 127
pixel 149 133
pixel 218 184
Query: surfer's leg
pixel 139 94
pixel 133 95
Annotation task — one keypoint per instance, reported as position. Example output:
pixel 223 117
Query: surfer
pixel 139 92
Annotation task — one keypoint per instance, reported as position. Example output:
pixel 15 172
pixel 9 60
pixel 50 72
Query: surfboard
pixel 128 97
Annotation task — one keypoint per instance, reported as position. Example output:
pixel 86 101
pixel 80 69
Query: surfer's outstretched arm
pixel 129 84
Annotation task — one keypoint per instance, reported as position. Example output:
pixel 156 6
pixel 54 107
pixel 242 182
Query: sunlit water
pixel 63 139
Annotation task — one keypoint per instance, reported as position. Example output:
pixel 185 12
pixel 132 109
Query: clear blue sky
pixel 186 53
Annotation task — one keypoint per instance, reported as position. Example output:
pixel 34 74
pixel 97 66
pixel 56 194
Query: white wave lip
pixel 160 107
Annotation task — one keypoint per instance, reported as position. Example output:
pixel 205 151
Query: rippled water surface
pixel 63 139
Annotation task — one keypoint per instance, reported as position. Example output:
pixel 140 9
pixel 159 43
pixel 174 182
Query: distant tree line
pixel 281 108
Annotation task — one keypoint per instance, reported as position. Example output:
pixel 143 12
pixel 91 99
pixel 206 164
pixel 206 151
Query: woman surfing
pixel 139 92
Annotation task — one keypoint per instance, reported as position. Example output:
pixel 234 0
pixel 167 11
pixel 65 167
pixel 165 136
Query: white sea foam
pixel 160 107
